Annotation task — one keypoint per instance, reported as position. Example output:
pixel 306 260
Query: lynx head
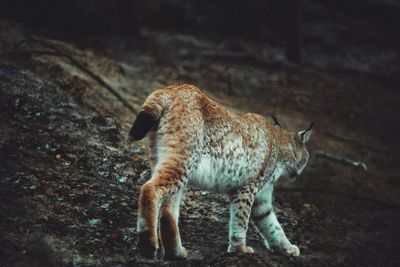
pixel 297 154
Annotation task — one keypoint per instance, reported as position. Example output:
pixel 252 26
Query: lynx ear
pixel 305 135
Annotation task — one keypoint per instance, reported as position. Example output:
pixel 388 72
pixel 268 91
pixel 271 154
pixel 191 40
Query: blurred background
pixel 73 75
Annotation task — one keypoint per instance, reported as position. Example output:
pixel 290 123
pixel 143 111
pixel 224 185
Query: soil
pixel 70 180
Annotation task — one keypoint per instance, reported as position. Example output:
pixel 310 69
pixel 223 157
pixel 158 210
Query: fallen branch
pixel 340 159
pixel 30 52
pixel 58 53
pixel 355 141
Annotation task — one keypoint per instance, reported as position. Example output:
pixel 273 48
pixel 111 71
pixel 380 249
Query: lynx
pixel 197 142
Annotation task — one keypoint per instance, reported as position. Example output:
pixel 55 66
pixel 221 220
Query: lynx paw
pixel 146 246
pixel 293 251
pixel 240 249
pixel 182 254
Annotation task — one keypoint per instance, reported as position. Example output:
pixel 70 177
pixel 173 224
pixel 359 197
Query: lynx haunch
pixel 197 142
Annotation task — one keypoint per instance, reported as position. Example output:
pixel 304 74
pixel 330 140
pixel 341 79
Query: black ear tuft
pixel 310 127
pixel 276 122
pixel 142 125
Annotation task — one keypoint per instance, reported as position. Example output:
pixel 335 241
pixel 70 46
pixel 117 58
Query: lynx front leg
pixel 268 226
pixel 240 209
pixel 170 237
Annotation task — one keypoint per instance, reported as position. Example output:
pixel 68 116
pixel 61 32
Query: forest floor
pixel 69 180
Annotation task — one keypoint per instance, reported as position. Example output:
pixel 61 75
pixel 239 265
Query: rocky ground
pixel 70 180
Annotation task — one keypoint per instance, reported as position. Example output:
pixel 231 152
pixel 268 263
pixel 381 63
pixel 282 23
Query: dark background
pixel 73 75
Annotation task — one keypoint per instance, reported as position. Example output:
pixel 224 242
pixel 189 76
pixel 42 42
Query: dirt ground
pixel 70 181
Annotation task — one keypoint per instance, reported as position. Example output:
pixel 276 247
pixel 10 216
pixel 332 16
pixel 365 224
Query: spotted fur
pixel 196 141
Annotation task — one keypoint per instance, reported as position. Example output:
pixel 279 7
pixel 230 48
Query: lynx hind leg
pixel 147 220
pixel 170 237
pixel 166 181
pixel 173 148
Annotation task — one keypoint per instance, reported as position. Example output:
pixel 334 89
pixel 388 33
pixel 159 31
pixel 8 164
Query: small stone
pixel 122 179
pixel 94 222
pixel 105 206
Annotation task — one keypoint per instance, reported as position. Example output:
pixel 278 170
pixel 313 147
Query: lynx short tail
pixel 142 125
pixel 150 114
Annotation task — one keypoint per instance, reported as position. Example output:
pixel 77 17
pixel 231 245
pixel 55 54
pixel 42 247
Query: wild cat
pixel 196 141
